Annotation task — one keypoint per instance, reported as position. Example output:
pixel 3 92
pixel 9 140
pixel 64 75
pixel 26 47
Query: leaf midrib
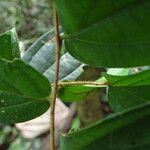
pixel 19 104
pixel 23 96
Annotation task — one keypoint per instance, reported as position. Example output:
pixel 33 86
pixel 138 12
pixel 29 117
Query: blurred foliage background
pixel 31 18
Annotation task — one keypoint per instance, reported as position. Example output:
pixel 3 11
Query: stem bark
pixel 56 77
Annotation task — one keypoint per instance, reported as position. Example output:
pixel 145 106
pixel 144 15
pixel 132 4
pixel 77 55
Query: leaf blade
pixel 9 47
pixel 113 34
pixel 74 141
pixel 24 92
pixel 41 57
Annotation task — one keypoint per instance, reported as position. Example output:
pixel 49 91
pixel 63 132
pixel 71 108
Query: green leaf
pixel 74 93
pixel 104 131
pixel 115 33
pixel 24 92
pixel 41 57
pixel 121 98
pixel 130 137
pixel 138 79
pixel 79 92
pixel 9 47
pixel 128 91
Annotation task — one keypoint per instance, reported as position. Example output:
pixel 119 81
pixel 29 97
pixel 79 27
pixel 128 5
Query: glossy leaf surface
pixel 113 34
pixel 114 125
pixel 24 92
pixel 9 48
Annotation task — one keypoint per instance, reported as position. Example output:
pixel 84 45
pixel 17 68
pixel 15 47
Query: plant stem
pixel 55 84
pixel 74 83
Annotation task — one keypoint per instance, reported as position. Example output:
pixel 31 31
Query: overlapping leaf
pixel 124 91
pixel 74 93
pixel 115 34
pixel 41 56
pixel 79 92
pixel 128 91
pixel 139 79
pixel 109 133
pixel 24 92
pixel 130 137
